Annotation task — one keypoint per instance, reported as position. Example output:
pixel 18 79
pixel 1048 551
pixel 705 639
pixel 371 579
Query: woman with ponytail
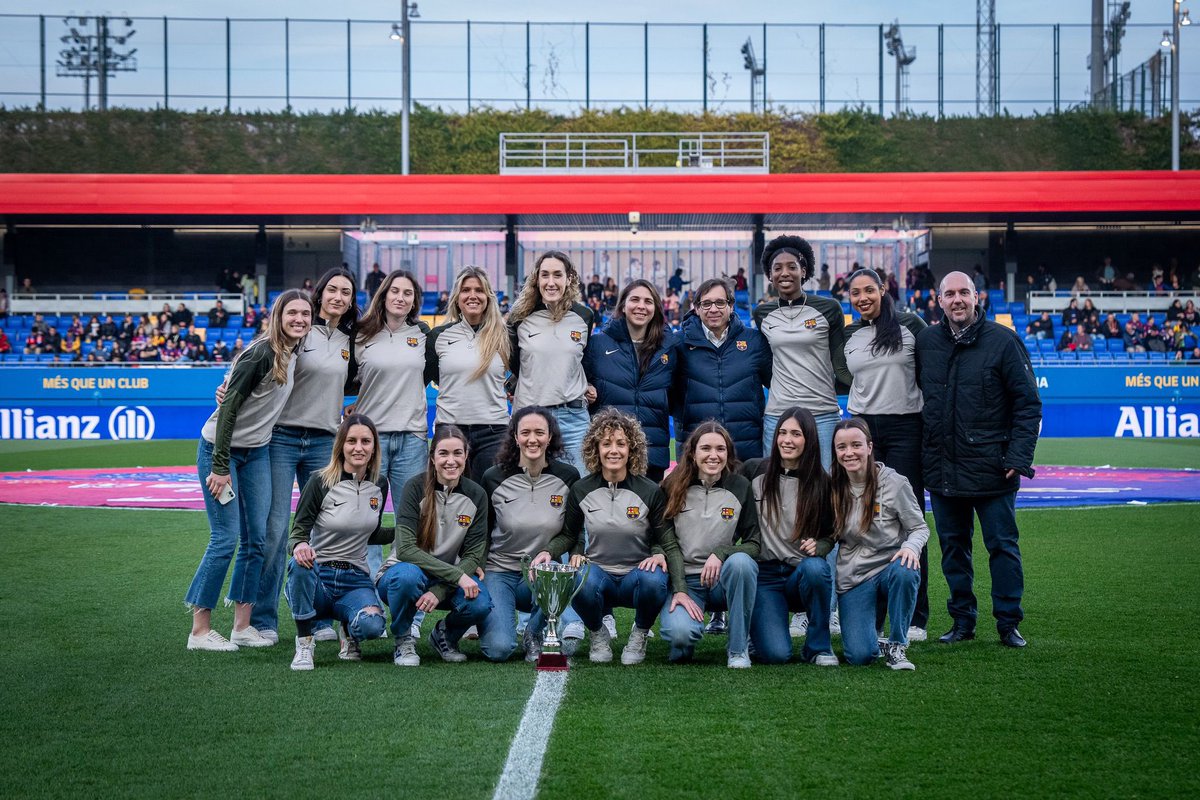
pixel 881 355
pixel 440 548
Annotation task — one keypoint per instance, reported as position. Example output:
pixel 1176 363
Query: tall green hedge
pixel 349 142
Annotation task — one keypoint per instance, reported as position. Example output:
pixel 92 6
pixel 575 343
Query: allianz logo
pixel 1144 422
pixel 124 422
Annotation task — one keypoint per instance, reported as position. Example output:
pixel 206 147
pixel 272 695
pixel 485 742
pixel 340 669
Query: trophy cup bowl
pixel 553 587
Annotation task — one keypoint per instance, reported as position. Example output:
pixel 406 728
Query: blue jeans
pixel 240 523
pixel 897 586
pixel 510 593
pixel 573 423
pixel 296 453
pixel 644 592
pixel 825 426
pixel 783 588
pixel 324 591
pixel 954 518
pixel 734 593
pixel 403 583
pixel 402 455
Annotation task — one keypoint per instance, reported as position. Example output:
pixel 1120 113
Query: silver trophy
pixel 553 587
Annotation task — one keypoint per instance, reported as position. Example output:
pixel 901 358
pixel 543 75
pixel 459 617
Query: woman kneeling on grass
pixel 711 544
pixel 235 466
pixel 623 512
pixel 882 530
pixel 441 544
pixel 338 515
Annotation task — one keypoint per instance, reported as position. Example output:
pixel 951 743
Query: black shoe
pixel 1012 638
pixel 959 633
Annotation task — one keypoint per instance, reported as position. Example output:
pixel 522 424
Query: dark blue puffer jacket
pixel 723 384
pixel 611 364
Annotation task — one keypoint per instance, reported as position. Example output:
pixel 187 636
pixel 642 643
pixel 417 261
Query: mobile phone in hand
pixel 226 495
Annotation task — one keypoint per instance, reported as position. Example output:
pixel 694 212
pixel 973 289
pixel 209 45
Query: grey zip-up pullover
pixel 319 391
pixel 252 404
pixel 624 522
pixel 339 522
pixel 885 383
pixel 808 352
pixel 451 358
pixel 777 543
pixel 391 368
pixel 898 522
pixel 461 544
pixel 548 357
pixel 719 520
pixel 526 512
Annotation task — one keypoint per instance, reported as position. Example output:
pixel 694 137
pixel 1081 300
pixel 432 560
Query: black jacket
pixel 982 411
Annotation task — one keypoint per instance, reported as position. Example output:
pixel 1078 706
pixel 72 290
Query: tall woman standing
pixel 468 358
pixel 302 439
pixel 632 363
pixel 391 371
pixel 881 356
pixel 550 330
pixel 234 465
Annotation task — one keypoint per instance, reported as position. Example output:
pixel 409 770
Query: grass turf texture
pixel 102 698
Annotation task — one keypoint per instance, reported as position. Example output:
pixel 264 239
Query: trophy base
pixel 552 662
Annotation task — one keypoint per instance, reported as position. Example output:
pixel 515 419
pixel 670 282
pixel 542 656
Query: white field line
pixel 519 780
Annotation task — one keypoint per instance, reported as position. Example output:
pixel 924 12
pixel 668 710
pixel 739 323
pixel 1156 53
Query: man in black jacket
pixel 981 419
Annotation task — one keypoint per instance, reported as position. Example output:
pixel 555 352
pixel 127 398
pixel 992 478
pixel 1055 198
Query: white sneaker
pixel 325 634
pixel 270 635
pixel 896 656
pixel 799 627
pixel 415 631
pixel 472 633
pixel 610 625
pixel 835 624
pixel 532 645
pixel 635 648
pixel 303 660
pixel 825 660
pixel 572 635
pixel 600 651
pixel 916 634
pixel 406 652
pixel 211 641
pixel 738 661
pixel 349 649
pixel 249 637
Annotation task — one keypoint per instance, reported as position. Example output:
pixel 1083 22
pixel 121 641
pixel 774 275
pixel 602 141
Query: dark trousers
pixel 483 443
pixel 897 439
pixel 954 517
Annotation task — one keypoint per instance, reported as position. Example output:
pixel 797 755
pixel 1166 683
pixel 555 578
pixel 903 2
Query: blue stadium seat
pixel 235 321
pixel 200 321
pixel 246 333
pixel 1000 307
pixel 1157 356
pixel 362 299
pixel 1045 345
pixel 1142 357
pixel 845 307
pixel 1017 309
pixel 1030 339
pixel 1085 355
pixel 824 293
pixel 1104 358
pixel 1116 345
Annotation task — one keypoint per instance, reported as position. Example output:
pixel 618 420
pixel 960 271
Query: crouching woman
pixel 337 517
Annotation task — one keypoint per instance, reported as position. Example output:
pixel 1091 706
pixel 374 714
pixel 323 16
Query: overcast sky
pixel 620 64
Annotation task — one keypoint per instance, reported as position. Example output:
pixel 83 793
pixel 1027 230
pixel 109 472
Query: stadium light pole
pixel 1171 41
pixel 401 33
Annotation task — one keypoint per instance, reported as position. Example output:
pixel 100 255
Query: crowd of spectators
pixel 1083 327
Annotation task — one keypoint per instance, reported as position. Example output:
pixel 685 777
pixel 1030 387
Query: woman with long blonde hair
pixel 468 358
pixel 234 464
pixel 550 331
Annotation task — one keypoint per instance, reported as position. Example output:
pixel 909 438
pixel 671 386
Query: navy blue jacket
pixel 611 364
pixel 724 384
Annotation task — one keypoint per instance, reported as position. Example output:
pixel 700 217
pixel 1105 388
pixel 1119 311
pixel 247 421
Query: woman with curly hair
pixel 468 358
pixel 712 542
pixel 623 512
pixel 549 329
pixel 527 490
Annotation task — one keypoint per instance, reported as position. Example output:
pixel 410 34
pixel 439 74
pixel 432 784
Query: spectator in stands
pixel 1157 286
pixel 126 330
pixel 1092 324
pixel 1175 312
pixel 39 324
pixel 1042 327
pixel 932 313
pixel 443 304
pixel 1071 315
pixel 307 286
pixel 3 303
pixel 5 344
pixel 164 317
pixel 1045 278
pixel 374 279
pixel 671 307
pixel 27 286
pixel 220 351
pixel 1153 336
pixel 1081 340
pixel 916 301
pixel 1190 316
pixel 91 331
pixel 1111 329
pixel 238 346
pixel 218 317
pixel 54 341
pixel 1080 286
pixel 249 289
pixel 1107 274
pixel 108 330
pixel 838 289
pixel 183 314
pixel 595 291
pixel 1125 284
pixel 677 283
pixel 740 284
pixel 985 304
pixel 979 279
pixel 35 342
pixel 149 351
pixel 1089 309
pixel 251 319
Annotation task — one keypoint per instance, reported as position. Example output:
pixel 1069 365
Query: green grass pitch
pixel 102 699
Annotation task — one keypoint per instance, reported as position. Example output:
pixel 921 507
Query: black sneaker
pixel 896 656
pixel 448 652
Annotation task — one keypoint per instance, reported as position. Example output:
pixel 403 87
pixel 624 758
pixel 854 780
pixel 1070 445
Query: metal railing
pixel 120 302
pixel 1116 302
pixel 651 153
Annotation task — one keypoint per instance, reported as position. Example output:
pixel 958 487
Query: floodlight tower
pixel 904 57
pixel 757 75
pixel 985 57
pixel 91 52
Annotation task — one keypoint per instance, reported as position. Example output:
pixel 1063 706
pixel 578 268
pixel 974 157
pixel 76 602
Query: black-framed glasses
pixel 717 304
